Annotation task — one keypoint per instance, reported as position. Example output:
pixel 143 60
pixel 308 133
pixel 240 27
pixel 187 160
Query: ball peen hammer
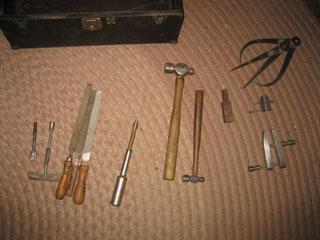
pixel 198 106
pixel 181 70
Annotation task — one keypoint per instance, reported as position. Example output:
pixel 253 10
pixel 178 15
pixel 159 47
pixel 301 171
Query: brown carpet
pixel 47 85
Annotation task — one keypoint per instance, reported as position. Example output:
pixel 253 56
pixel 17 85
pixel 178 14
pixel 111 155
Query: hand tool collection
pixel 283 45
pixel 76 166
pixel 122 179
pixel 80 144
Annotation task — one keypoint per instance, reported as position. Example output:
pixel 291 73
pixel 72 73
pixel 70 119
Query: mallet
pixel 198 106
pixel 180 70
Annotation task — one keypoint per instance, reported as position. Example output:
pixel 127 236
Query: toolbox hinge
pixel 91 24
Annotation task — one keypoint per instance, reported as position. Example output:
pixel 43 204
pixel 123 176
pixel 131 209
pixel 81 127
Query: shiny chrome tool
pixel 283 45
pixel 33 153
pixel 265 105
pixel 89 132
pixel 122 179
pixel 198 106
pixel 62 186
pixel 267 152
pixel 45 176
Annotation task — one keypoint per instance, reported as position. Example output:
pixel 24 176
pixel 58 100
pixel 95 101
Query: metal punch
pixel 265 105
pixel 284 45
pixel 267 152
pixel 45 176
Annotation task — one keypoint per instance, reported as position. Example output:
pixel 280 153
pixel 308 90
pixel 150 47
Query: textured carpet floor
pixel 47 85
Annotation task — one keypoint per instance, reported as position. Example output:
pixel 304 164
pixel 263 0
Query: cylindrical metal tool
pixel 121 179
pixel 33 153
pixel 48 151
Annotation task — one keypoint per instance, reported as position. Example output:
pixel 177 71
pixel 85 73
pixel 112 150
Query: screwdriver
pixel 121 179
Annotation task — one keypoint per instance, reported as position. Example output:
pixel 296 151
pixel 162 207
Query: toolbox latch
pixel 91 24
pixel 111 20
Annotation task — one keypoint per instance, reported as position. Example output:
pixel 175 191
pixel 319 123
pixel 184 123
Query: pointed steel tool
pixel 79 193
pixel 62 186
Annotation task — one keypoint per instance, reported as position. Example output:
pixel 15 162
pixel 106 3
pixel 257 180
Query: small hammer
pixel 180 70
pixel 198 106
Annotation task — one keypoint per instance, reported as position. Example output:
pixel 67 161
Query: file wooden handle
pixel 62 185
pixel 72 179
pixel 80 191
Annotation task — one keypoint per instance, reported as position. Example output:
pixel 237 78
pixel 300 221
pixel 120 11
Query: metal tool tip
pixel 51 125
pixel 135 124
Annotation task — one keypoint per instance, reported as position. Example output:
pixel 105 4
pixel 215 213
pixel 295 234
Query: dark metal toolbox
pixel 56 23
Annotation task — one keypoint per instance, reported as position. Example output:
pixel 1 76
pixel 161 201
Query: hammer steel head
pixel 180 69
pixel 193 179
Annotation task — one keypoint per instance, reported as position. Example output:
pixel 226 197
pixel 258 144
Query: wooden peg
pixel 226 107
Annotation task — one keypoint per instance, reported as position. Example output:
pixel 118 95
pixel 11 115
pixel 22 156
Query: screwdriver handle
pixel 80 191
pixel 72 179
pixel 62 185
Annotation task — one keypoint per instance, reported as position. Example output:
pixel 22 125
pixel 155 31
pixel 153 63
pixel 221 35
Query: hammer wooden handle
pixel 198 106
pixel 174 131
pixel 62 185
pixel 72 179
pixel 80 191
